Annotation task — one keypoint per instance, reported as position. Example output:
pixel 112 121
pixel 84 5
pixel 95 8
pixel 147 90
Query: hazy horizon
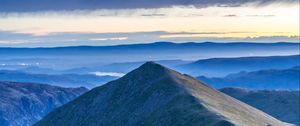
pixel 137 43
pixel 149 62
pixel 38 23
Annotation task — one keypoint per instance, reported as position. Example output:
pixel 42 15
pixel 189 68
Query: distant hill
pixel 80 56
pixel 65 80
pixel 154 95
pixel 263 79
pixel 283 105
pixel 22 104
pixel 218 67
pixel 38 70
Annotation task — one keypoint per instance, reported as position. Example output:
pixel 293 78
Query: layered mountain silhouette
pixel 220 67
pixel 23 104
pixel 63 80
pixel 287 79
pixel 155 95
pixel 82 56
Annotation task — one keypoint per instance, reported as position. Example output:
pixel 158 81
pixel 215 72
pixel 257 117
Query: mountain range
pixel 218 72
pixel 219 67
pixel 155 95
pixel 214 67
pixel 124 67
pixel 23 104
pixel 81 56
pixel 287 79
pixel 65 80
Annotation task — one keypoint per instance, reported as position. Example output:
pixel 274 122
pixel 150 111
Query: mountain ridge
pixel 155 95
pixel 64 80
pixel 71 57
pixel 22 104
pixel 219 67
pixel 262 79
pixel 281 104
pixel 157 43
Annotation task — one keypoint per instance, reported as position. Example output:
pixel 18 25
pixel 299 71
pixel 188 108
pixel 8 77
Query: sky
pixel 49 23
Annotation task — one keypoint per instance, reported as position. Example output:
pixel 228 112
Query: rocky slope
pixel 153 95
pixel 283 105
pixel 22 104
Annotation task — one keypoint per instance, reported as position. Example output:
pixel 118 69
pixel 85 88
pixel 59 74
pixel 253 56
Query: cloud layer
pixel 54 5
pixel 13 39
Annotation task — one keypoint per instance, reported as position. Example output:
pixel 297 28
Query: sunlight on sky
pixel 252 21
pixel 235 22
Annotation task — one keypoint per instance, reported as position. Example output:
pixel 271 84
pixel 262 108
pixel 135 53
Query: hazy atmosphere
pixel 35 23
pixel 149 63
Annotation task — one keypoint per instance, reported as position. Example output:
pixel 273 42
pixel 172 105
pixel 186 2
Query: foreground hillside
pixel 263 79
pixel 22 104
pixel 155 95
pixel 283 105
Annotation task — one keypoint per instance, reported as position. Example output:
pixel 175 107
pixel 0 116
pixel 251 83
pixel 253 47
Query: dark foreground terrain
pixel 22 104
pixel 155 95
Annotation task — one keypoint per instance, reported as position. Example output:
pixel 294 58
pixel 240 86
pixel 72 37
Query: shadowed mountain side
pixel 283 105
pixel 155 95
pixel 22 104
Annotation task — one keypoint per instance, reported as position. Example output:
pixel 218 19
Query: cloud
pixel 261 15
pixel 11 36
pixel 106 39
pixel 258 39
pixel 73 38
pixel 273 38
pixel 153 15
pixel 230 15
pixel 54 5
pixel 114 74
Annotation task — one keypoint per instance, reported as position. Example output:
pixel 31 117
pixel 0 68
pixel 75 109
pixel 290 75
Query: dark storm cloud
pixel 55 5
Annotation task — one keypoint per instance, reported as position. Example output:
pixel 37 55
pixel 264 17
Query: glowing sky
pixel 221 22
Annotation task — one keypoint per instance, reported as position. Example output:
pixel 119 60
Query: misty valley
pixel 149 63
pixel 117 85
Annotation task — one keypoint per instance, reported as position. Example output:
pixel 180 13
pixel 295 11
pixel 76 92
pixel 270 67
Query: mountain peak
pixel 155 95
pixel 150 69
pixel 151 64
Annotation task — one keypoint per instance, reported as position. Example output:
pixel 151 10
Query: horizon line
pixel 155 42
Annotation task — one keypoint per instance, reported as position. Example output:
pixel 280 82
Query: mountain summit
pixel 155 95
